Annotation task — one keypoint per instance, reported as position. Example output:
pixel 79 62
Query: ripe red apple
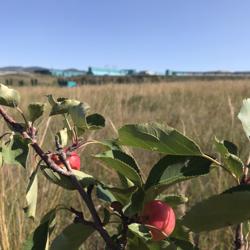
pixel 73 158
pixel 160 219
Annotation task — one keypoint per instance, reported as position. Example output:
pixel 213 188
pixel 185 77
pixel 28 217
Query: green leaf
pixel 111 144
pixel 244 116
pixel 9 97
pixel 140 231
pixel 123 164
pixel 156 137
pixel 31 195
pixel 104 194
pixel 78 115
pixel 173 200
pixel 172 169
pixel 181 245
pixel 232 162
pixel 39 239
pixel 235 164
pixel 110 194
pixel 62 105
pixel 95 121
pixel 65 181
pixel 231 147
pixel 136 243
pixel 35 110
pixel 180 232
pixel 240 188
pixel 68 126
pixel 226 209
pixel 72 237
pixel 16 151
pixel 106 216
pixel 125 182
pixel 136 203
pixel 63 137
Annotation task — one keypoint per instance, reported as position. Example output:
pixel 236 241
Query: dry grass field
pixel 199 109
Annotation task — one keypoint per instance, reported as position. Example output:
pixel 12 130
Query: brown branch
pixel 86 198
pixel 50 163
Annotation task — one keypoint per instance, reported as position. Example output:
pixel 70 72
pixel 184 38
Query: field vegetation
pixel 199 109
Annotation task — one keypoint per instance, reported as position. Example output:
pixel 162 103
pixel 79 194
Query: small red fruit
pixel 160 219
pixel 73 158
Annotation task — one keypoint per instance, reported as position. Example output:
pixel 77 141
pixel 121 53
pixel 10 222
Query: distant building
pixel 67 73
pixel 109 72
pixel 147 73
pixel 65 83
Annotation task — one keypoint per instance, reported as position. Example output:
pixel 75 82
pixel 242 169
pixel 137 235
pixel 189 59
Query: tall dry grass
pixel 199 109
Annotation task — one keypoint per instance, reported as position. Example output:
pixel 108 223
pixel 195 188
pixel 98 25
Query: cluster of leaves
pixel 181 159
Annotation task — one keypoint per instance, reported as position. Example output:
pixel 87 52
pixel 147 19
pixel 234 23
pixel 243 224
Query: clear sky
pixel 140 34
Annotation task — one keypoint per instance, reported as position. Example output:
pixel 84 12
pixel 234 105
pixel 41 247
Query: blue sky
pixel 140 34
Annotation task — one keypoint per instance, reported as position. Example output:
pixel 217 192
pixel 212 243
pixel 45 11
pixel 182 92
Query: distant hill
pixel 21 69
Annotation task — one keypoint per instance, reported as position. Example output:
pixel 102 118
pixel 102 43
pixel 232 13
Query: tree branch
pixel 51 164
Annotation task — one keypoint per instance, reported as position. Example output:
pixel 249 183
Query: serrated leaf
pixel 16 151
pixel 31 195
pixel 64 181
pixel 173 200
pixel 35 110
pixel 123 164
pixel 39 239
pixel 172 169
pixel 244 116
pixel 218 211
pixel 232 162
pixel 9 97
pixel 63 137
pixel 157 137
pixel 62 105
pixel 95 121
pixel 72 237
pixel 78 115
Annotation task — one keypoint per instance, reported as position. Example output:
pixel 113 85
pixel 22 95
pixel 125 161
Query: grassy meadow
pixel 199 109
